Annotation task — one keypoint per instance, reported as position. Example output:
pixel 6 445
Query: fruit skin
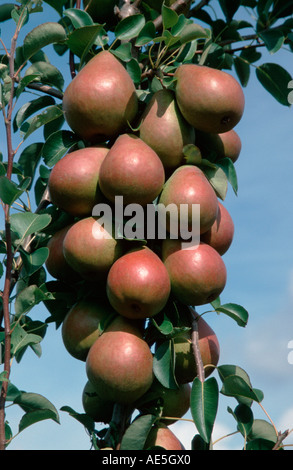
pixel 185 366
pixel 133 170
pixel 138 284
pixel 73 182
pixel 89 256
pixel 160 435
pixel 80 327
pixel 189 185
pixel 198 275
pixel 226 145
pixel 221 234
pixel 98 409
pixel 101 99
pixel 210 100
pixel 165 130
pixel 56 263
pixel 120 364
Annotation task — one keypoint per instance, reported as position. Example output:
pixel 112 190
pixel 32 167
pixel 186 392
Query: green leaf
pixel 275 79
pixel 216 177
pixel 20 340
pixel 146 35
pixel 30 108
pixel 5 11
pixel 260 444
pixel 24 82
pixel 30 158
pixel 229 8
pixel 47 74
pixel 244 418
pixel 24 224
pixel 82 39
pixel 33 261
pixel 123 52
pixel 29 297
pixel 170 17
pixel 78 18
pixel 136 434
pixel 82 418
pixel 204 406
pixel 273 39
pixel 191 32
pixel 262 429
pixel 235 386
pixel 192 154
pixel 243 70
pixel 130 27
pixel 59 143
pixel 9 191
pixel 235 311
pixel 134 70
pixel 49 114
pixel 33 417
pixel 165 326
pixel 41 36
pixel 57 5
pixel 163 365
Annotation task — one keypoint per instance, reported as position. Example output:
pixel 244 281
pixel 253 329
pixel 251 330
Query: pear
pixel 217 146
pixel 90 249
pixel 198 275
pixel 189 185
pixel 133 170
pixel 161 436
pixel 210 100
pixel 100 410
pixel 221 233
pixel 138 284
pixel 73 182
pixel 100 101
pixel 165 130
pixel 119 364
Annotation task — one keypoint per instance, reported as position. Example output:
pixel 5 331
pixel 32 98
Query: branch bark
pixel 195 346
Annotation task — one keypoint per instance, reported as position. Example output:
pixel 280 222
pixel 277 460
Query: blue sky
pixel 260 277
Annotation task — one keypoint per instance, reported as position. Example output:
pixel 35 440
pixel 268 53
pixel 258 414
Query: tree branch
pixel 195 346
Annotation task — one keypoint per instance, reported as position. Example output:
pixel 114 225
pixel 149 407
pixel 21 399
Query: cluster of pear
pixel 140 279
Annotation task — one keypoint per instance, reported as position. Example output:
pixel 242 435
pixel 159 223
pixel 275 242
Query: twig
pixel 195 346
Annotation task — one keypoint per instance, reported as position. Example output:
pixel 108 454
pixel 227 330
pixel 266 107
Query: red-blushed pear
pixel 211 100
pixel 165 130
pixel 81 326
pixel 90 249
pixel 101 99
pixel 98 409
pixel 188 185
pixel 133 170
pixel 161 436
pixel 221 234
pixel 138 284
pixel 56 263
pixel 198 275
pixel 217 146
pixel 73 182
pixel 120 363
pixel 185 365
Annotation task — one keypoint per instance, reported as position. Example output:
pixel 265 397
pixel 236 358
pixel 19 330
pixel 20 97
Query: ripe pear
pixel 189 185
pixel 138 284
pixel 133 170
pixel 160 435
pixel 198 275
pixel 80 327
pixel 217 146
pixel 185 365
pixel 73 182
pixel 120 363
pixel 100 410
pixel 100 101
pixel 221 233
pixel 90 249
pixel 211 100
pixel 56 263
pixel 165 130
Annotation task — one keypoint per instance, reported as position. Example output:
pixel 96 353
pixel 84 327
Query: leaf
pixel 235 311
pixel 146 35
pixel 134 70
pixel 191 32
pixel 82 39
pixel 165 326
pixel 163 365
pixel 78 18
pixel 33 417
pixel 41 36
pixel 192 154
pixel 169 16
pixel 273 39
pixel 123 52
pixel 130 27
pixel 204 406
pixel 30 108
pixel 33 261
pixel 82 418
pixel 30 158
pixel 59 143
pixel 136 434
pixel 24 82
pixel 48 74
pixel 216 177
pixel 262 429
pixel 20 340
pixel 5 11
pixel 24 224
pixel 244 418
pixel 275 79
pixel 229 8
pixel 9 191
pixel 243 70
pixel 29 297
pixel 260 444
pixel 56 4
pixel 34 123
pixel 235 386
